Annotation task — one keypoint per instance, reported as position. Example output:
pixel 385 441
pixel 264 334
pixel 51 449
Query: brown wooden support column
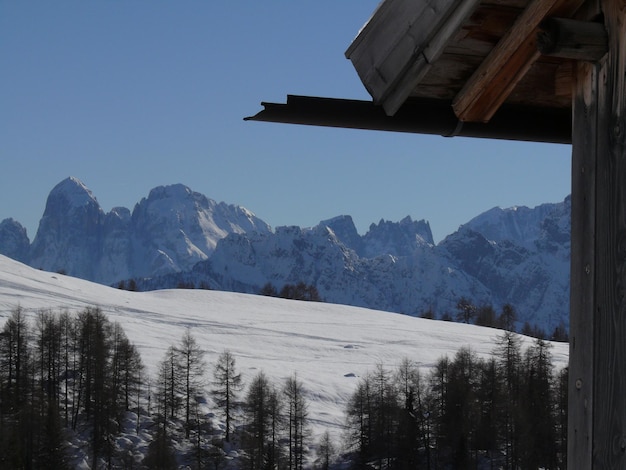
pixel 597 398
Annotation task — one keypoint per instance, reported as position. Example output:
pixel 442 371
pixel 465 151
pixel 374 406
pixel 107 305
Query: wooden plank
pixel 400 42
pixel 564 79
pixel 583 267
pixel 384 45
pixel 538 87
pixel 507 64
pixel 609 404
pixel 509 3
pixel 483 30
pixel 597 419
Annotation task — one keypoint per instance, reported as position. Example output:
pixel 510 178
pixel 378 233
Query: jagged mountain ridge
pixel 532 275
pixel 169 231
pixel 517 255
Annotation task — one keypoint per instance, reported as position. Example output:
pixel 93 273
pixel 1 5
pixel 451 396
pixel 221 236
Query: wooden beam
pixel 597 389
pixel 508 62
pixel 396 48
pixel 425 55
pixel 572 39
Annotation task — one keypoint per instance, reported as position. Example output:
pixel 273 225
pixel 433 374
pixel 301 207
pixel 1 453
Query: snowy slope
pixel 328 346
pixel 176 236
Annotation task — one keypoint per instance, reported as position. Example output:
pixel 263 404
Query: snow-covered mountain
pixel 169 231
pixel 410 283
pixel 523 256
pixel 176 236
pixel 396 267
pixel 328 346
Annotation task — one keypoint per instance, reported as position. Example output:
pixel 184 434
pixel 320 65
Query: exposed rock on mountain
pixel 397 267
pixel 14 241
pixel 69 234
pixel 178 237
pixel 169 231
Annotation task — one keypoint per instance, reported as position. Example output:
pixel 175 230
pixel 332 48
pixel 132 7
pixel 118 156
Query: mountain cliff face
pixel 69 234
pixel 397 267
pixel 410 283
pixel 174 228
pixel 14 241
pixel 528 261
pixel 176 236
pixel 169 231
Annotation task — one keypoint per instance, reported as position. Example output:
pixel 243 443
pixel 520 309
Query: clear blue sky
pixel 129 95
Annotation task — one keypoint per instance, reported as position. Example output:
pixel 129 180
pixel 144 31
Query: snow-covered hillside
pixel 175 236
pixel 327 346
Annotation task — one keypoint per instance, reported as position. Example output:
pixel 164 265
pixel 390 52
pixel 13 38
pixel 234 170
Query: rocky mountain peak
pixel 14 241
pixel 69 232
pixel 518 255
pixel 397 238
pixel 344 229
pixel 71 193
pixel 169 231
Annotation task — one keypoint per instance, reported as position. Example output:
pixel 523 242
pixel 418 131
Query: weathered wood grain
pixel 508 62
pixel 597 419
pixel 609 409
pixel 572 39
pixel 396 48
pixel 583 267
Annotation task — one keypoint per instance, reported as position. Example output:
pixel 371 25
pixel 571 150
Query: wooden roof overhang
pixel 476 68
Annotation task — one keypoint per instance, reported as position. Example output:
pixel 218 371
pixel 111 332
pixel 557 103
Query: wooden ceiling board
pixel 490 59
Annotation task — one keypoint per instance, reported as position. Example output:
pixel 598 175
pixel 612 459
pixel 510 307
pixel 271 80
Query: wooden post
pixel 597 389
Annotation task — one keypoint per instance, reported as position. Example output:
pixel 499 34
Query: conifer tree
pixel 486 316
pixel 410 432
pixel 274 454
pixel 508 317
pixel 508 359
pixel 538 432
pixel 561 387
pixel 458 421
pixel 489 398
pixel 14 358
pixel 386 410
pixel 191 365
pixel 168 385
pixel 160 455
pixel 296 422
pixel 438 401
pixel 325 452
pixel 466 311
pixel 256 421
pixel 227 385
pixel 359 421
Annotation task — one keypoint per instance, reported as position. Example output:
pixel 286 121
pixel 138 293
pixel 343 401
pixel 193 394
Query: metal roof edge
pixel 422 116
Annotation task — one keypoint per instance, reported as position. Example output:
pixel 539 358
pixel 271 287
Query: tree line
pixel 508 411
pixel 64 375
pixel 298 291
pixel 73 384
pixel 465 310
pixel 486 315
